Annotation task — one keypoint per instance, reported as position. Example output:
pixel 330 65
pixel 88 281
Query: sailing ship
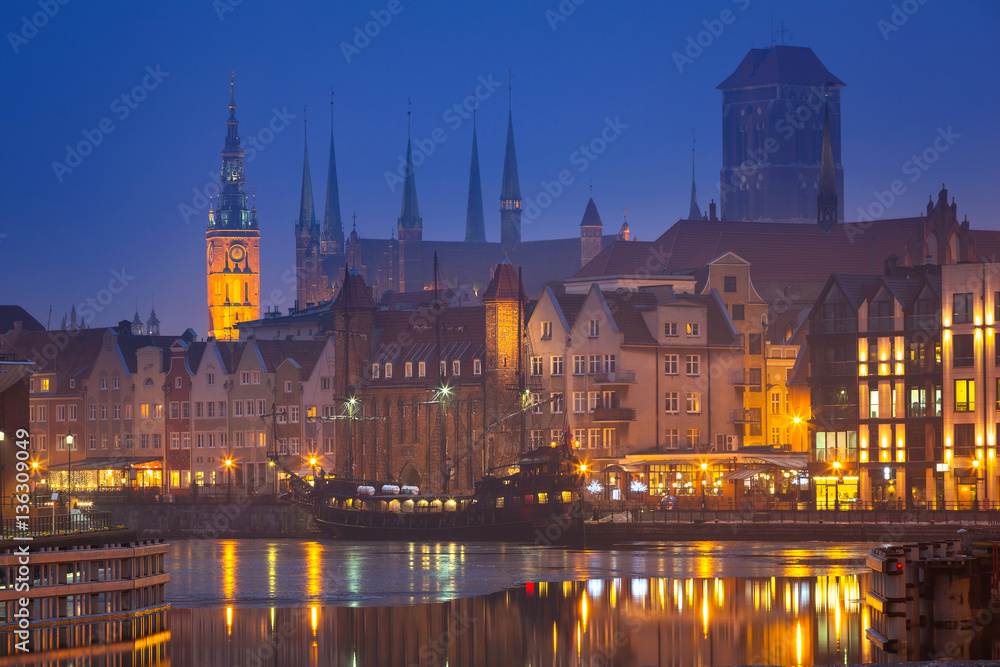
pixel 537 499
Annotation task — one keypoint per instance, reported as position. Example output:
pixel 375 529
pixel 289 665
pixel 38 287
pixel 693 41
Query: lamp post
pixel 704 473
pixel 975 472
pixel 229 480
pixel 69 472
pixel 836 488
pixel 3 492
pixel 312 468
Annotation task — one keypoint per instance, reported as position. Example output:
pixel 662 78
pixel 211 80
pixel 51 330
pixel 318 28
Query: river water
pixel 284 602
pixel 304 602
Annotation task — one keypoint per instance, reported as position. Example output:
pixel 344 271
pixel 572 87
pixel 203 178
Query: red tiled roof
pixel 305 353
pixel 354 293
pixel 402 336
pixel 504 285
pixel 806 253
pixel 616 256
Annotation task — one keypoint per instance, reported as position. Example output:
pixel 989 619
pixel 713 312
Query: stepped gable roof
pixel 305 353
pixel 11 314
pixel 789 65
pixel 614 259
pixel 406 335
pixel 807 253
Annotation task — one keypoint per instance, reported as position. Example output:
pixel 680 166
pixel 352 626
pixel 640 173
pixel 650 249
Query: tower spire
pixel 410 223
pixel 510 188
pixel 333 225
pixel 307 213
pixel 232 210
pixel 475 224
pixel 695 212
pixel 826 200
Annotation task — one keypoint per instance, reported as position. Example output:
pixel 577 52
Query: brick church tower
pixel 233 243
pixel 773 109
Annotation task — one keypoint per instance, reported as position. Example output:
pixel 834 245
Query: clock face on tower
pixel 237 253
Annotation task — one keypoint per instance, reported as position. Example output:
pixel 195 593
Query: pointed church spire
pixel 232 209
pixel 410 224
pixel 475 224
pixel 333 225
pixel 510 188
pixel 826 201
pixel 695 212
pixel 307 214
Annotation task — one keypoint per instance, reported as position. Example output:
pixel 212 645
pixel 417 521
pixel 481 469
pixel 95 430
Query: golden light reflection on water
pixel 628 622
pixel 229 563
pixel 314 569
pixel 272 569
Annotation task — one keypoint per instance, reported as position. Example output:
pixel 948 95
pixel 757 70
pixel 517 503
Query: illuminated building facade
pixel 233 240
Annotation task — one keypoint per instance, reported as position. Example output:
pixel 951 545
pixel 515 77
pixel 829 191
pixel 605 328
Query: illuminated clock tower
pixel 233 240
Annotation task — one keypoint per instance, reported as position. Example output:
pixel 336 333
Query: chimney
pixel 711 210
pixel 890 263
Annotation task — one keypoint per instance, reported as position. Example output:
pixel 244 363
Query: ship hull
pixel 541 525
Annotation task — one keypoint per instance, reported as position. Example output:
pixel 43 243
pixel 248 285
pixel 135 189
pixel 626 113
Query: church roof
pixel 794 65
pixel 11 314
pixel 591 218
pixel 806 252
pixel 614 259
pixel 409 215
pixel 511 186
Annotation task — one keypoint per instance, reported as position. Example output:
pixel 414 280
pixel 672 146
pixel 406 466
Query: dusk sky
pixel 66 230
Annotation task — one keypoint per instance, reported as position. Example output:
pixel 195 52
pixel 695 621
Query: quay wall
pixel 609 534
pixel 210 520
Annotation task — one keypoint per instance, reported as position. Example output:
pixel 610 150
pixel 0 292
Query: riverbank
pixel 244 519
pixel 604 535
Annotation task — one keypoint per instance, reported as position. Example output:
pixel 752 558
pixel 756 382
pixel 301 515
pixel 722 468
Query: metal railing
pixel 614 414
pixel 45 521
pixel 615 377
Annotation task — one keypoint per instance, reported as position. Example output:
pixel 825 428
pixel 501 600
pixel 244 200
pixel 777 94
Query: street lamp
pixel 704 468
pixel 229 480
pixel 836 488
pixel 69 472
pixel 975 471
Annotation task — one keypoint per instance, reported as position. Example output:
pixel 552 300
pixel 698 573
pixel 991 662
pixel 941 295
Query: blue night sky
pixel 121 207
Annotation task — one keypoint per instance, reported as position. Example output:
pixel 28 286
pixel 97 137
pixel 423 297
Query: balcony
pixel 746 416
pixel 886 323
pixel 743 378
pixel 615 377
pixel 614 414
pixel 841 325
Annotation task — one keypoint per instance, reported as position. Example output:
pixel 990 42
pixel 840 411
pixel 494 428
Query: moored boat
pixel 536 499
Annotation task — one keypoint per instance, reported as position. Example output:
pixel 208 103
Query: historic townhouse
pixel 149 424
pixel 248 400
pixel 315 390
pixel 211 436
pixel 729 276
pixel 970 359
pixel 632 371
pixel 178 418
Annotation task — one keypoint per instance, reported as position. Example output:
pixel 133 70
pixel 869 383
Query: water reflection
pixel 622 621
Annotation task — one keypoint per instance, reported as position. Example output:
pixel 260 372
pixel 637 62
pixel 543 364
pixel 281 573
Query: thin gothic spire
pixel 826 200
pixel 307 212
pixel 510 188
pixel 409 216
pixel 475 223
pixel 695 212
pixel 333 225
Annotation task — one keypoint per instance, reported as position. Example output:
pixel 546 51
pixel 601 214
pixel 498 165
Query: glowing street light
pixel 229 480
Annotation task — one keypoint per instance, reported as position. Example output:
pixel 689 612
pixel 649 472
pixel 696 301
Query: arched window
pixel 763 322
pixel 932 249
pixel 148 382
pixel 955 257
